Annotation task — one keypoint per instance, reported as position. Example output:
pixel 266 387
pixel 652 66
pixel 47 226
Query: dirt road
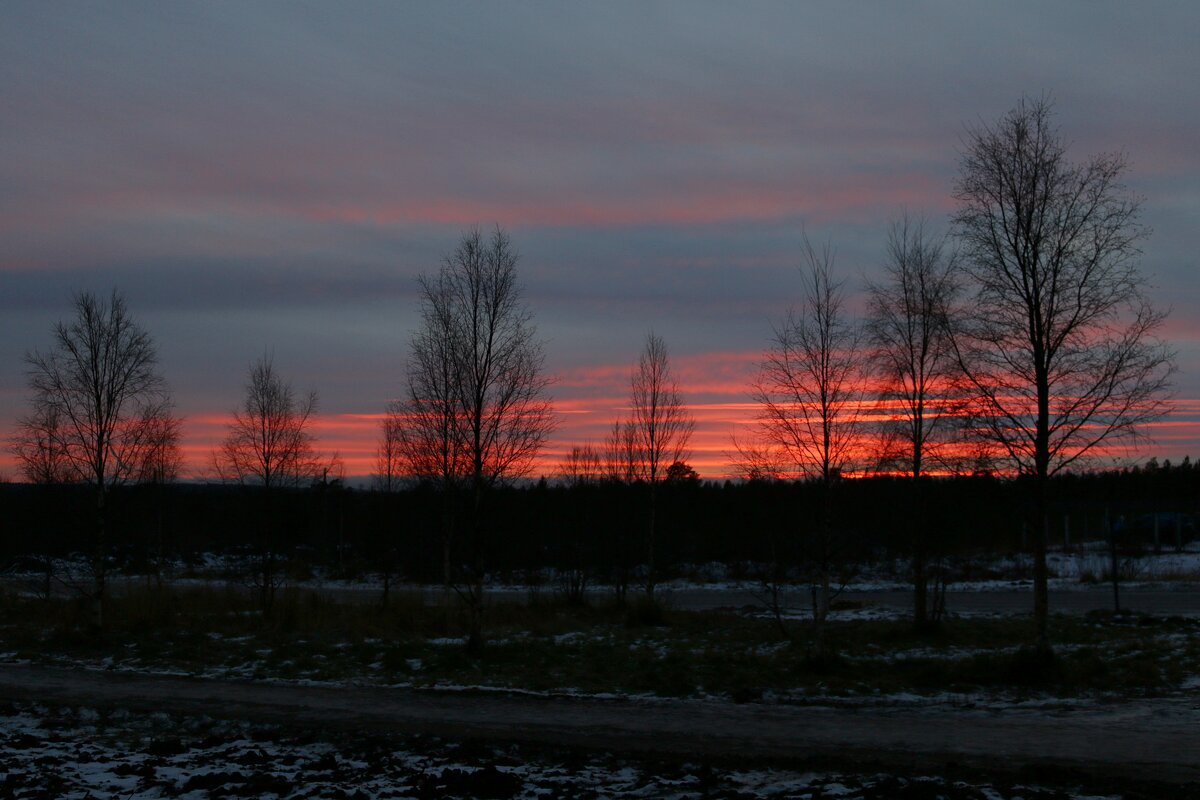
pixel 1159 738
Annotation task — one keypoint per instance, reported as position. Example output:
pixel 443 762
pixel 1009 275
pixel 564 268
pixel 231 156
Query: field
pixel 954 686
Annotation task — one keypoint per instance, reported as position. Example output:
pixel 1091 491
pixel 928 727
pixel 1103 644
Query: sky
pixel 273 178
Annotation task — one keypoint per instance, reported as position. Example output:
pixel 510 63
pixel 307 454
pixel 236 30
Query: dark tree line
pixel 593 528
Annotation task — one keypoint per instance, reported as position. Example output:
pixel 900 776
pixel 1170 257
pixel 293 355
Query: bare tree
pixel 425 423
pixel 161 461
pixel 99 406
pixel 620 453
pixel 582 470
pixel 269 447
pixel 1059 347
pixel 476 408
pixel 389 469
pixel 269 443
pixel 38 446
pixel 908 334
pixel 583 465
pixel 756 459
pixel 659 430
pixel 620 467
pixel 810 391
pixel 42 459
pixel 383 542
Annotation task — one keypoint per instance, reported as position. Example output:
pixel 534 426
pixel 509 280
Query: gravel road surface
pixel 1155 737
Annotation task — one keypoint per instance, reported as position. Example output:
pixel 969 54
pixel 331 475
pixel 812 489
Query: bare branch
pixel 809 386
pixel 660 425
pixel 269 443
pixel 908 335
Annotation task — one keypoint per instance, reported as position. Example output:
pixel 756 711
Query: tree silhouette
pixel 659 429
pixel 269 447
pixel 909 347
pixel 1058 346
pixel 40 450
pixel 100 408
pixel 476 411
pixel 809 390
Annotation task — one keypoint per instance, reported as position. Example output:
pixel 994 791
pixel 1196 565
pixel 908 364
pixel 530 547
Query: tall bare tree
pixel 99 403
pixel 659 429
pixel 269 446
pixel 810 391
pixel 476 409
pixel 909 346
pixel 425 421
pixel 1059 346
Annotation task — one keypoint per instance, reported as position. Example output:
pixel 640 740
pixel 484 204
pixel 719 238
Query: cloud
pixel 277 175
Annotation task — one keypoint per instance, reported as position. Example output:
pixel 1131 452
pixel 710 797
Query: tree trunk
pixel 475 638
pixel 1041 591
pixel 99 562
pixel 1041 519
pixel 822 593
pixel 919 557
pixel 920 592
pixel 650 536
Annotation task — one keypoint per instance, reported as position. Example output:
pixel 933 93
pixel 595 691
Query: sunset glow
pixel 353 438
pixel 273 179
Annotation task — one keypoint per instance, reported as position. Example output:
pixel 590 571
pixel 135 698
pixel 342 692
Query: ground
pixel 193 692
pixel 69 751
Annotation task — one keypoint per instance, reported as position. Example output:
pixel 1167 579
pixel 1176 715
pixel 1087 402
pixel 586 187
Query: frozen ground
pixel 53 751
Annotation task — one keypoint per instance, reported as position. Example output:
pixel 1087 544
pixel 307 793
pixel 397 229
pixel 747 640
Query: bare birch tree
pixel 425 422
pixel 98 401
pixel 810 392
pixel 1058 346
pixel 269 447
pixel 659 428
pixel 909 340
pixel 269 442
pixel 477 407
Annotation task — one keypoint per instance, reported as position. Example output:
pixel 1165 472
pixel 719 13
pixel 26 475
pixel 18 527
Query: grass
pixel 547 646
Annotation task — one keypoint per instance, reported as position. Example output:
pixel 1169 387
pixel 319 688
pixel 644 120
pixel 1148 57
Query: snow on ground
pixel 81 753
pixel 1081 568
